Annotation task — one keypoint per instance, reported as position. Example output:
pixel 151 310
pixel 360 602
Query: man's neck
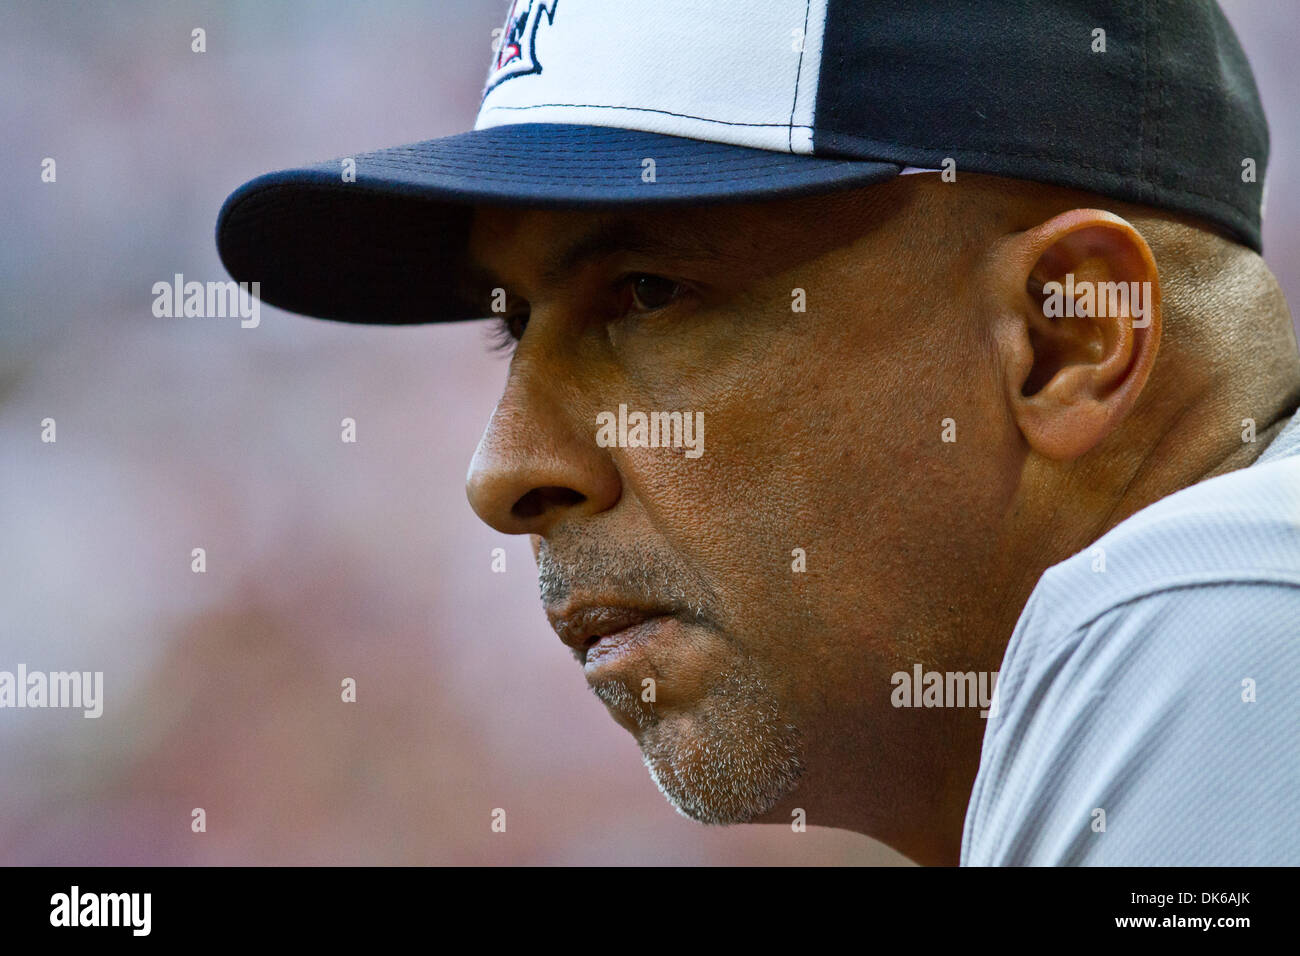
pixel 1198 445
pixel 1204 442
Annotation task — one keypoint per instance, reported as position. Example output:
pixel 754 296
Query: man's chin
pixel 709 807
pixel 731 759
pixel 704 789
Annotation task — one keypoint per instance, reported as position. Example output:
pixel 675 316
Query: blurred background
pixel 325 560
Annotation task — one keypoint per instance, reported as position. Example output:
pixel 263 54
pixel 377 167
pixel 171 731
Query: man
pixel 813 454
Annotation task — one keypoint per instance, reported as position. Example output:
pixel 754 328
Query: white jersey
pixel 1147 712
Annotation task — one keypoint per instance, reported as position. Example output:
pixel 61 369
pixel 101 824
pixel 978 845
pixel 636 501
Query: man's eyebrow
pixel 627 235
pixel 606 238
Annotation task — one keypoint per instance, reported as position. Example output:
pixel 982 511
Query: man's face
pixel 740 609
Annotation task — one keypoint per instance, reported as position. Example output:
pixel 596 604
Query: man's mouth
pixel 598 633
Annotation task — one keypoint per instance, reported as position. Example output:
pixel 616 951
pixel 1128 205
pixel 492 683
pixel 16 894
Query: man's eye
pixel 651 292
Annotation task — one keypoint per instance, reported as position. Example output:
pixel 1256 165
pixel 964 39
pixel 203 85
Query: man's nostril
pixel 538 500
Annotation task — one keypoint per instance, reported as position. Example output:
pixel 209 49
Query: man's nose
pixel 536 466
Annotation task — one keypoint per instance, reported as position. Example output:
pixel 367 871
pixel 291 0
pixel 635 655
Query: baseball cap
pixel 593 104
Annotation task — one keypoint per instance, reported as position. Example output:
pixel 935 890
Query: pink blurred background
pixel 325 560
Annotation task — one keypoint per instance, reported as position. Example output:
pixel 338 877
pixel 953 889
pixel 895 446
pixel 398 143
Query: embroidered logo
pixel 516 55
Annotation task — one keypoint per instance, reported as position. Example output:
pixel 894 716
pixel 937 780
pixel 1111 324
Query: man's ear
pixel 1079 301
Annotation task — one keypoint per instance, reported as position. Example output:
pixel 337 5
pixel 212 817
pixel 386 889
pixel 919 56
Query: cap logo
pixel 515 56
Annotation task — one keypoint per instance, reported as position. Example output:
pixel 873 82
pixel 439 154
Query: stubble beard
pixel 729 760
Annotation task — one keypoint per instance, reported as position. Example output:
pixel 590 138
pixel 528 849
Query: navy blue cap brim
pixel 388 248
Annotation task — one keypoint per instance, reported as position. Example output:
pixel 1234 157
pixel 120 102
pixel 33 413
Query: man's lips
pixel 586 625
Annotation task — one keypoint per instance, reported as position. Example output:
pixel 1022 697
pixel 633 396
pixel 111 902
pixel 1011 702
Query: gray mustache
pixel 647 577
